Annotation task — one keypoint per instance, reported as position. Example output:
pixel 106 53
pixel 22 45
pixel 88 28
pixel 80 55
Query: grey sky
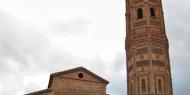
pixel 39 37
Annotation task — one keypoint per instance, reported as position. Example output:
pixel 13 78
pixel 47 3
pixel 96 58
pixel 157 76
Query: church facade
pixel 147 49
pixel 77 81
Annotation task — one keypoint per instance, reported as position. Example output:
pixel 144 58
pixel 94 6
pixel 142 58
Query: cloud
pixel 27 55
pixel 18 46
pixel 71 26
pixel 177 23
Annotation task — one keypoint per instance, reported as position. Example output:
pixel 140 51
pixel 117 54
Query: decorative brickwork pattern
pixel 142 63
pixel 146 47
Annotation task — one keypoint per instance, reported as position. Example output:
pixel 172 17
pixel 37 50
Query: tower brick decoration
pixel 147 49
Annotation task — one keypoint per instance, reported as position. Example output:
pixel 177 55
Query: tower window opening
pixel 143 84
pixel 152 12
pixel 139 13
pixel 159 85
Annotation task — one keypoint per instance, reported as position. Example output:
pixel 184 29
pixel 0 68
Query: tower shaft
pixel 147 49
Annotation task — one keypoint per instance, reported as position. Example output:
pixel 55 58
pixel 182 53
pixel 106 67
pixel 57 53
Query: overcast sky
pixel 40 37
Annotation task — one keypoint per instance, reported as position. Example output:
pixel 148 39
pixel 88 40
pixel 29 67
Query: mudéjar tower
pixel 147 49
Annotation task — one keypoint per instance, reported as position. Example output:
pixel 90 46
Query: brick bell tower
pixel 147 49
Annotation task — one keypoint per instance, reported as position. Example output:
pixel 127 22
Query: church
pixel 76 81
pixel 147 56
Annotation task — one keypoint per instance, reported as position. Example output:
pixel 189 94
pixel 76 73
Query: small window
pixel 143 84
pixel 160 85
pixel 152 12
pixel 80 75
pixel 139 13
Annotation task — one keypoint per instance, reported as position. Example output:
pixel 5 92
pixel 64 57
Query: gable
pixel 79 73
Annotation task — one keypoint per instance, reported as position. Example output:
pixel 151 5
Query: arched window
pixel 139 13
pixel 143 84
pixel 152 12
pixel 160 85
